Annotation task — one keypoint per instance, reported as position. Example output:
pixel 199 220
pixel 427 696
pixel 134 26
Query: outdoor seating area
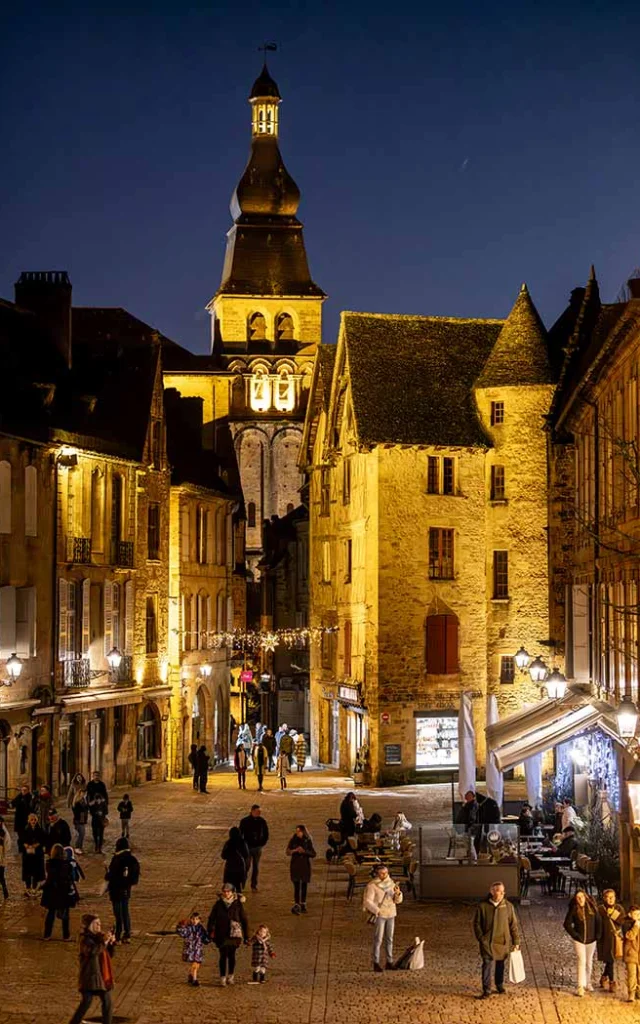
pixel 360 854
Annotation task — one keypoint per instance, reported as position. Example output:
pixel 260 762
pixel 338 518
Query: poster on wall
pixel 437 740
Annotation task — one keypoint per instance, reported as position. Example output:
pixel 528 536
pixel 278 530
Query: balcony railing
pixel 80 550
pixel 124 672
pixel 77 672
pixel 123 554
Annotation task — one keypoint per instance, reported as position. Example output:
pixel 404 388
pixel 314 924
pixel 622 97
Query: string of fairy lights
pixel 260 639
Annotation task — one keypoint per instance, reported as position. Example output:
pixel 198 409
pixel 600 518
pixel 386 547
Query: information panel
pixel 437 740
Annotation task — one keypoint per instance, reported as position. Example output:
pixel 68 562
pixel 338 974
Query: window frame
pixel 497 486
pixel 497 413
pixel 500 575
pixel 441 553
pixel 153 531
pixel 507 669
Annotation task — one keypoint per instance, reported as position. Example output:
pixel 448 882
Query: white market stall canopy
pixel 531 732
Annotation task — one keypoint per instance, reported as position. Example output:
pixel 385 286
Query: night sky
pixel 445 153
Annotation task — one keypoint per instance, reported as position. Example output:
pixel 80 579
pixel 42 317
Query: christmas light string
pixel 260 640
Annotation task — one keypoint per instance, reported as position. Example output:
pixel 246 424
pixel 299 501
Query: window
pixel 497 483
pixel 221 610
pixel 17 622
pixel 447 475
pixel 67 619
pixel 441 649
pixel 185 534
pixel 325 491
pixel 251 514
pixel 440 475
pixel 346 638
pixel 440 554
pixel 147 735
pixel 433 475
pixel 285 395
pixel 5 497
pixel 260 392
pixel 116 620
pixel 326 562
pixel 507 668
pixel 186 622
pixel 153 532
pixel 284 327
pixel 256 328
pixel 346 482
pixel 348 560
pixel 328 651
pixel 500 575
pixel 152 624
pixel 201 536
pixel 116 513
pixel 30 501
pixel 497 413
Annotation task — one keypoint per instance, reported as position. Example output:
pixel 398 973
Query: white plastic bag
pixel 516 967
pixel 416 962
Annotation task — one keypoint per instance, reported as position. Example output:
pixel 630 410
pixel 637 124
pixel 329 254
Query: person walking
pixel 80 817
pixel 33 840
pixel 202 766
pixel 58 832
pixel 97 788
pixel 95 975
pixel 381 897
pixel 631 953
pixel 259 763
pixel 348 815
pixel 23 806
pixel 235 855
pixel 496 929
pixel 282 768
pixel 610 946
pixel 195 939
pixel 278 737
pixel 59 892
pixel 255 832
pixel 193 761
pixel 286 747
pixel 42 805
pixel 78 786
pixel 260 731
pixel 125 810
pixel 122 874
pixel 98 811
pixel 269 744
pixel 240 760
pixel 5 847
pixel 300 849
pixel 300 751
pixel 261 953
pixel 228 927
pixel 584 926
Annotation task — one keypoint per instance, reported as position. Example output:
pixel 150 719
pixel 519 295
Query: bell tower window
pixel 260 392
pixel 284 327
pixel 285 396
pixel 265 117
pixel 256 327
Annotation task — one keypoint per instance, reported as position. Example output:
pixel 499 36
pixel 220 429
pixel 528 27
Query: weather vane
pixel 267 48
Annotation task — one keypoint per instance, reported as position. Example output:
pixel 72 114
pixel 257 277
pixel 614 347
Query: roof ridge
pixel 426 316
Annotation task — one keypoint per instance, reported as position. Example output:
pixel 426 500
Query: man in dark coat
pixel 612 914
pixel 496 929
pixel 488 810
pixel 59 831
pixel 58 892
pixel 122 874
pixel 97 788
pixel 468 814
pixel 23 806
pixel 255 832
pixel 202 768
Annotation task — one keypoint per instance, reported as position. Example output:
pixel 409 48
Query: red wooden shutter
pixel 436 645
pixel 451 643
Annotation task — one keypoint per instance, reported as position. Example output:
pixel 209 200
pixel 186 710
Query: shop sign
pixel 436 740
pixel 393 753
pixel 350 694
pixel 246 676
pixel 385 718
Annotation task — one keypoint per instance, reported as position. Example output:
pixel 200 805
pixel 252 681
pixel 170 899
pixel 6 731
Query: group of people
pixel 611 932
pixel 261 751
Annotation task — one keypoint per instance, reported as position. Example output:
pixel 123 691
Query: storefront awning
pixel 542 734
pixel 87 701
pixel 534 717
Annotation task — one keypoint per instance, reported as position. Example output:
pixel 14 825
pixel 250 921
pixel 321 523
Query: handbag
pixel 516 967
pixel 235 931
pixel 617 947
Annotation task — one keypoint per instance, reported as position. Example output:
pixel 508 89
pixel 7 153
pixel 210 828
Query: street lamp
pixel 14 668
pixel 627 715
pixel 114 659
pixel 538 670
pixel 522 659
pixel 556 685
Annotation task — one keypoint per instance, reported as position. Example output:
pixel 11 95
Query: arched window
pixel 221 607
pixel 284 327
pixel 260 392
pixel 256 327
pixel 5 497
pixel 441 644
pixel 148 734
pixel 97 511
pixel 30 501
pixel 251 514
pixel 284 397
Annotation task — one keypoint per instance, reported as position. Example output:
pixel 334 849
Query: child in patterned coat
pixel 261 953
pixel 195 937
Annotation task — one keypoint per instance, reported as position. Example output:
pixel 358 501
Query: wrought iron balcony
pixel 77 672
pixel 80 550
pixel 123 554
pixel 124 672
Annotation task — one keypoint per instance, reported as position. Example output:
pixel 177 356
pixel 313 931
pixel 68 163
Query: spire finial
pixel 592 273
pixel 523 288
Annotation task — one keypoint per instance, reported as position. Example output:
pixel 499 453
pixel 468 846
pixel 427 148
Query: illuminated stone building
pixel 426 452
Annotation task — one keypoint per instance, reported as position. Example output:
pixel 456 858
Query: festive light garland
pixel 261 640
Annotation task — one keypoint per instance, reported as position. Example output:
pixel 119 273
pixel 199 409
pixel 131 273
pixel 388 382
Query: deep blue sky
pixel 445 153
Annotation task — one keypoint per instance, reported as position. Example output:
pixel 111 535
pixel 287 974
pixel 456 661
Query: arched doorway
pixel 220 728
pixel 199 718
pixel 148 743
pixel 5 735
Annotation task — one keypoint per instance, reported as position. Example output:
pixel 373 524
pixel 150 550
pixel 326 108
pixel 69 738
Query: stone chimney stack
pixel 47 293
pixel 633 284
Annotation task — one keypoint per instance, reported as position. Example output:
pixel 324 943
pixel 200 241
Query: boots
pixel 604 983
pixel 254 978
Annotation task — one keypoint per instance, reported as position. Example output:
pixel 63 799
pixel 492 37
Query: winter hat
pixel 228 887
pixel 88 919
pixel 122 844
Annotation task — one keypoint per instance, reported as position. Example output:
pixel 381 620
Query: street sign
pixel 385 717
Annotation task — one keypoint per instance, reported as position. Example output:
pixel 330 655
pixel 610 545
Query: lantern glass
pixel 538 670
pixel 633 783
pixel 114 659
pixel 522 659
pixel 14 666
pixel 556 685
pixel 627 715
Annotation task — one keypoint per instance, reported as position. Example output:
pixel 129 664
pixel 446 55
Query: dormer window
pixel 260 392
pixel 285 397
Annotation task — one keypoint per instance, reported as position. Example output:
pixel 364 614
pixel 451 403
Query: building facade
pixel 428 548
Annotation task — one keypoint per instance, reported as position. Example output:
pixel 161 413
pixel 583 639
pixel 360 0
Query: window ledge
pixel 498 501
pixel 439 494
pixel 500 600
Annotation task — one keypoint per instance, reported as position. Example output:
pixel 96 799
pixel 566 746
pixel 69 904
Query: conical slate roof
pixel 520 354
pixel 264 86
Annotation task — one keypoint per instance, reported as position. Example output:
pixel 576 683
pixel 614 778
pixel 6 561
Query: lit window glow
pixel 260 393
pixel 265 118
pixel 284 398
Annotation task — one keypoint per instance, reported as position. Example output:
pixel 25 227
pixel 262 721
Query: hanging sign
pixel 246 676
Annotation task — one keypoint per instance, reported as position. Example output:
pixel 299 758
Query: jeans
pixel 195 779
pixel 3 884
pixel 242 779
pixel 97 827
pixel 125 827
pixel 384 928
pixel 299 892
pixel 202 779
pixel 80 830
pixel 227 957
pixel 633 972
pixel 85 1003
pixel 255 852
pixel 486 973
pixel 50 918
pixel 260 778
pixel 584 955
pixel 121 914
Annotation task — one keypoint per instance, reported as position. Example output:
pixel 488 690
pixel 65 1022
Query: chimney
pixel 47 293
pixel 633 284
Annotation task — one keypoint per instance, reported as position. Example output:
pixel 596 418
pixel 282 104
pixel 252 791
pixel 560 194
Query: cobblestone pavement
pixel 322 972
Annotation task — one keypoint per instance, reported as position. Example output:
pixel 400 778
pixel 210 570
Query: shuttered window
pixel 86 617
pixel 441 644
pixel 26 622
pixel 7 621
pixel 346 631
pixel 211 540
pixel 108 617
pixel 129 601
pixel 185 534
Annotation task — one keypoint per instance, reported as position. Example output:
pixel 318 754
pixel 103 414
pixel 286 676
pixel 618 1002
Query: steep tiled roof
pixel 326 359
pixel 520 355
pixel 412 377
